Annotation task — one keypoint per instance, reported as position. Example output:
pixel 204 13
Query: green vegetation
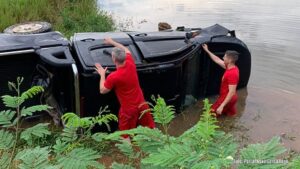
pixel 66 16
pixel 76 147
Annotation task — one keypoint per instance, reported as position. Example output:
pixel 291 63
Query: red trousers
pixel 229 108
pixel 130 118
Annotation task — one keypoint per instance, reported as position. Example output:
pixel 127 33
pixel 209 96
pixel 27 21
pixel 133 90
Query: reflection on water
pixel 271 30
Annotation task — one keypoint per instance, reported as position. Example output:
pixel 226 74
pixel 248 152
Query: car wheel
pixel 29 28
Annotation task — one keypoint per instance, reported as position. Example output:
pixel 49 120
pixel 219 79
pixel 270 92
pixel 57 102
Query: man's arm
pixel 101 71
pixel 232 91
pixel 110 41
pixel 215 58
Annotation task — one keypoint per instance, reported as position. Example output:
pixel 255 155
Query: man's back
pixel 126 84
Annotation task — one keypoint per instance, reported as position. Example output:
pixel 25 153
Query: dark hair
pixel 234 55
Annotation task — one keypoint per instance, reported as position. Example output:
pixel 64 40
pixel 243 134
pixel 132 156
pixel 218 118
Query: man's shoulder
pixel 232 72
pixel 129 57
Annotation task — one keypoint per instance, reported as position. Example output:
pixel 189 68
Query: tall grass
pixel 66 16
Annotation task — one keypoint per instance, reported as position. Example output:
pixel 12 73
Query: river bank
pixel 66 16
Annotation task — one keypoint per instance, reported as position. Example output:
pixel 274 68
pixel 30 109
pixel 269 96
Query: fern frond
pixel 4 160
pixel 5 117
pixel 99 137
pixel 38 131
pixel 12 101
pixel 36 158
pixel 221 146
pixel 29 110
pixel 60 146
pixel 267 151
pixel 69 134
pixel 162 113
pixel 79 158
pixel 149 166
pixel 216 163
pixel 126 148
pixel 30 93
pixel 73 120
pixel 7 140
pixel 105 119
pixel 206 127
pixel 53 167
pixel 115 136
pixel 173 155
pixel 120 166
pixel 295 164
pixel 204 131
pixel 149 140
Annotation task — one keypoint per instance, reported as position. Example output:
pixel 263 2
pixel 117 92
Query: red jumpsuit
pixel 125 82
pixel 230 77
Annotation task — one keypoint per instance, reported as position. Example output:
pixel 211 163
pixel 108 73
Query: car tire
pixel 29 28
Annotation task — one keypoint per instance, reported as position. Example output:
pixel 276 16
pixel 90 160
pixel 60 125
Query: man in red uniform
pixel 225 103
pixel 124 81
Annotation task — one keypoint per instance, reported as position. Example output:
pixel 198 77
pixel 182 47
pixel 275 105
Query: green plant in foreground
pixel 262 156
pixel 15 154
pixel 11 119
pixel 201 147
pixel 73 122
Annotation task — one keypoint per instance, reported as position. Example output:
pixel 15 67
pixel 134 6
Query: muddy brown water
pixel 270 105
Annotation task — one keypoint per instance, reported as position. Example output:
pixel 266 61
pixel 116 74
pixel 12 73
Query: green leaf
pixel 221 146
pixel 69 134
pixel 30 93
pixel 99 137
pixel 28 111
pixel 4 160
pixel 73 120
pixel 216 163
pixel 173 155
pixel 36 158
pixel 120 166
pixel 7 140
pixel 6 117
pixel 149 140
pixel 162 113
pixel 53 167
pixel 126 148
pixel 205 129
pixel 12 101
pixel 253 154
pixel 38 131
pixel 295 164
pixel 79 158
pixel 105 119
pixel 60 146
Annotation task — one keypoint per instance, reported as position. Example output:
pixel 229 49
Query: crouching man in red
pixel 227 100
pixel 124 81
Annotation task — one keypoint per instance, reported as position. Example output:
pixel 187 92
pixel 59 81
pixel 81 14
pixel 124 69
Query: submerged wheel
pixel 29 28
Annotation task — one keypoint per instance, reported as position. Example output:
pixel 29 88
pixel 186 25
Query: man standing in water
pixel 124 81
pixel 226 102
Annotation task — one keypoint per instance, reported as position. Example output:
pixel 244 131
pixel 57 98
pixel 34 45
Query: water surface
pixel 271 103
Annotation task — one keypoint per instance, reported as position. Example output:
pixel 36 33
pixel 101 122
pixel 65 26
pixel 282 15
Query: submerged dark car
pixel 171 64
